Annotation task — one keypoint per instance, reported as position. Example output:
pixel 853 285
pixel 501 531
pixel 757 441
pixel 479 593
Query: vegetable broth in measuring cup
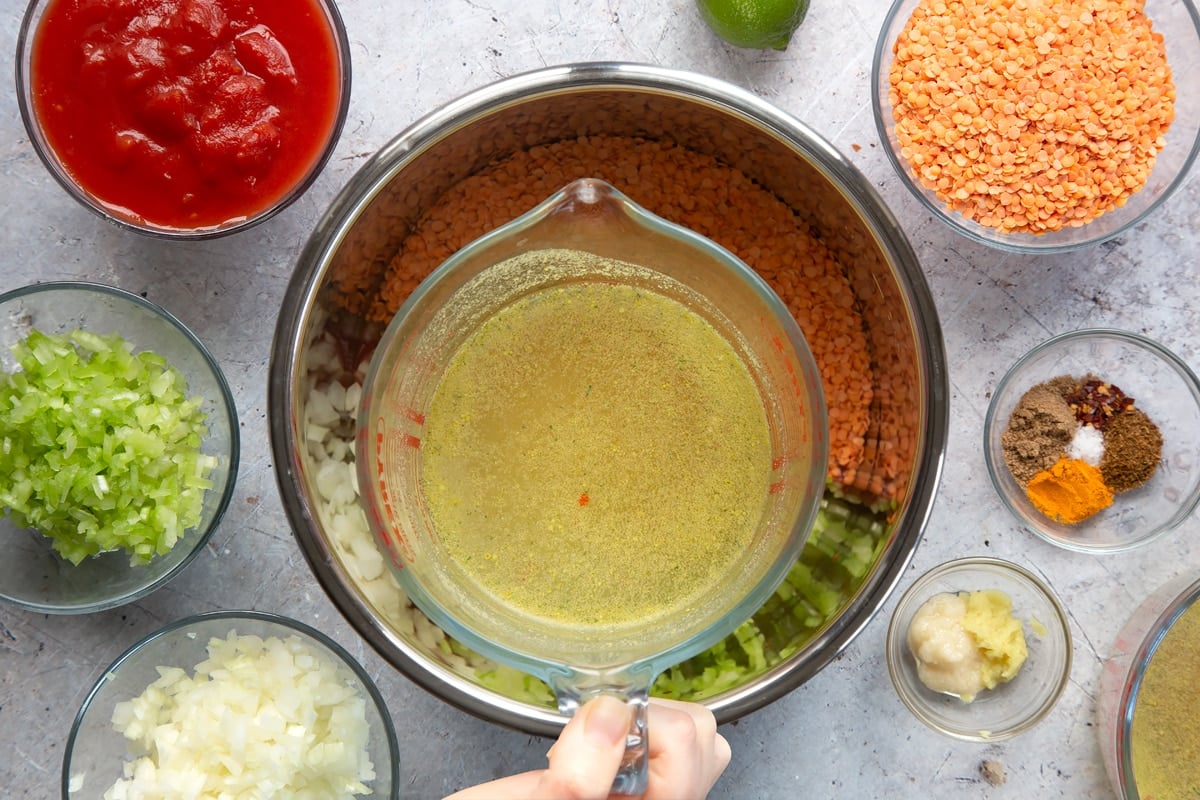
pixel 596 452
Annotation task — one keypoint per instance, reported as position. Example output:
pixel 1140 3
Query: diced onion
pixel 260 719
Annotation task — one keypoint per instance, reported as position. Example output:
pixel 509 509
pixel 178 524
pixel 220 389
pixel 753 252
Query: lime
pixel 756 24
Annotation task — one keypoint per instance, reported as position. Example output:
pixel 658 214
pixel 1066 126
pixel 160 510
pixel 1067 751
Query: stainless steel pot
pixel 361 231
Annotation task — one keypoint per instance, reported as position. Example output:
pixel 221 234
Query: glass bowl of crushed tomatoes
pixel 183 120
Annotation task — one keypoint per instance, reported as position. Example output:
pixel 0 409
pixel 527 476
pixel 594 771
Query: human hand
pixel 686 756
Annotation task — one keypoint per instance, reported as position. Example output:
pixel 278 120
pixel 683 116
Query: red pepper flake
pixel 583 499
pixel 1096 402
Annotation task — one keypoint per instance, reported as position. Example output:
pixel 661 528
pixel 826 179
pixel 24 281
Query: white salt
pixel 1087 445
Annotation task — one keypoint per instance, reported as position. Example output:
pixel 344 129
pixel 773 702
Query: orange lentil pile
pixel 693 190
pixel 1029 116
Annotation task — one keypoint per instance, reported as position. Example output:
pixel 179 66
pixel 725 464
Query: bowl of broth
pixel 1148 728
pixel 701 154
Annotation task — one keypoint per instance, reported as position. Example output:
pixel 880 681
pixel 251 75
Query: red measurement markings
pixel 389 531
pixel 787 365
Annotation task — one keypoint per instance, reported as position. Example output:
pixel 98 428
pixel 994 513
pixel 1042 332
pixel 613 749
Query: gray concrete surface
pixel 843 734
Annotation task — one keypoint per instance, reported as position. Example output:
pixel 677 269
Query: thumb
pixel 587 755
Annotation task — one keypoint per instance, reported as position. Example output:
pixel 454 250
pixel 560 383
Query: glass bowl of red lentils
pixel 183 120
pixel 1044 129
pixel 1092 440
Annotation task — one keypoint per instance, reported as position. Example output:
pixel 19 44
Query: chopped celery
pixel 100 446
pixel 845 543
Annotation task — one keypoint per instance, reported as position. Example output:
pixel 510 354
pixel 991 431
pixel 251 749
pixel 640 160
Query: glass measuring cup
pixel 620 657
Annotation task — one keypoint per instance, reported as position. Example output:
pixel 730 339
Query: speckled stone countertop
pixel 842 734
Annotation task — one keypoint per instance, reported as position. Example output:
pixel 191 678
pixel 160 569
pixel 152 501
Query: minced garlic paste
pixel 966 642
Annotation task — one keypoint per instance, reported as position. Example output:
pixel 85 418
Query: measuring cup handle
pixel 632 777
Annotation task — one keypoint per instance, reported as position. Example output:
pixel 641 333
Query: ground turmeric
pixel 1070 491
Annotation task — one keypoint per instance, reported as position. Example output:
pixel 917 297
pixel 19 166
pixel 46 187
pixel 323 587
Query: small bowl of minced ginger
pixel 979 649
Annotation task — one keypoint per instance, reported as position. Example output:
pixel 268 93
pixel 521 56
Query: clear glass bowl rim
pixel 894 650
pixel 25 37
pixel 226 402
pixel 1129 337
pixel 1013 243
pixel 260 616
pixel 1144 655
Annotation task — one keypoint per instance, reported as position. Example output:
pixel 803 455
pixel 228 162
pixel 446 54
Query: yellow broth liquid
pixel 1165 739
pixel 596 454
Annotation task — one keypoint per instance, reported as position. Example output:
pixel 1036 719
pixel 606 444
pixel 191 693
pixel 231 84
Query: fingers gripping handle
pixel 631 778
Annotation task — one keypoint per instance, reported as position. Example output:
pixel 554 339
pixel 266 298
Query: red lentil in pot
pixel 707 196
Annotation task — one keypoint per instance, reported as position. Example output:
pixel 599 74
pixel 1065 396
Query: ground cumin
pixel 1070 491
pixel 1031 115
pixel 711 198
pixel 1132 449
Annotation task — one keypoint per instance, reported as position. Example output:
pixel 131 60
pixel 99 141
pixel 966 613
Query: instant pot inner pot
pixel 326 333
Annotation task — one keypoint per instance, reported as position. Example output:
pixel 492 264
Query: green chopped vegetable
pixel 100 446
pixel 846 541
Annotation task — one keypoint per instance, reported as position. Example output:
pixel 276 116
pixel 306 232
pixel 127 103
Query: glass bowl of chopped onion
pixel 1092 440
pixel 237 704
pixel 979 649
pixel 1039 132
pixel 120 447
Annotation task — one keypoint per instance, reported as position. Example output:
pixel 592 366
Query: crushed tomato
pixel 186 114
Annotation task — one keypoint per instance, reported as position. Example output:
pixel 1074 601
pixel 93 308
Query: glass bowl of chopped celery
pixel 120 447
pixel 233 704
pixel 1037 133
pixel 979 649
pixel 1092 440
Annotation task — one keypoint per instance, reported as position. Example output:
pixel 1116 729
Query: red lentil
pixel 1031 115
pixel 701 193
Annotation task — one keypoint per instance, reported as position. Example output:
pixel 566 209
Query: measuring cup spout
pixel 576 688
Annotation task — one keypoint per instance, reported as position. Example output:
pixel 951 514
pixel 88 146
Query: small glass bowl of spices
pixel 1039 129
pixel 1092 440
pixel 979 649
